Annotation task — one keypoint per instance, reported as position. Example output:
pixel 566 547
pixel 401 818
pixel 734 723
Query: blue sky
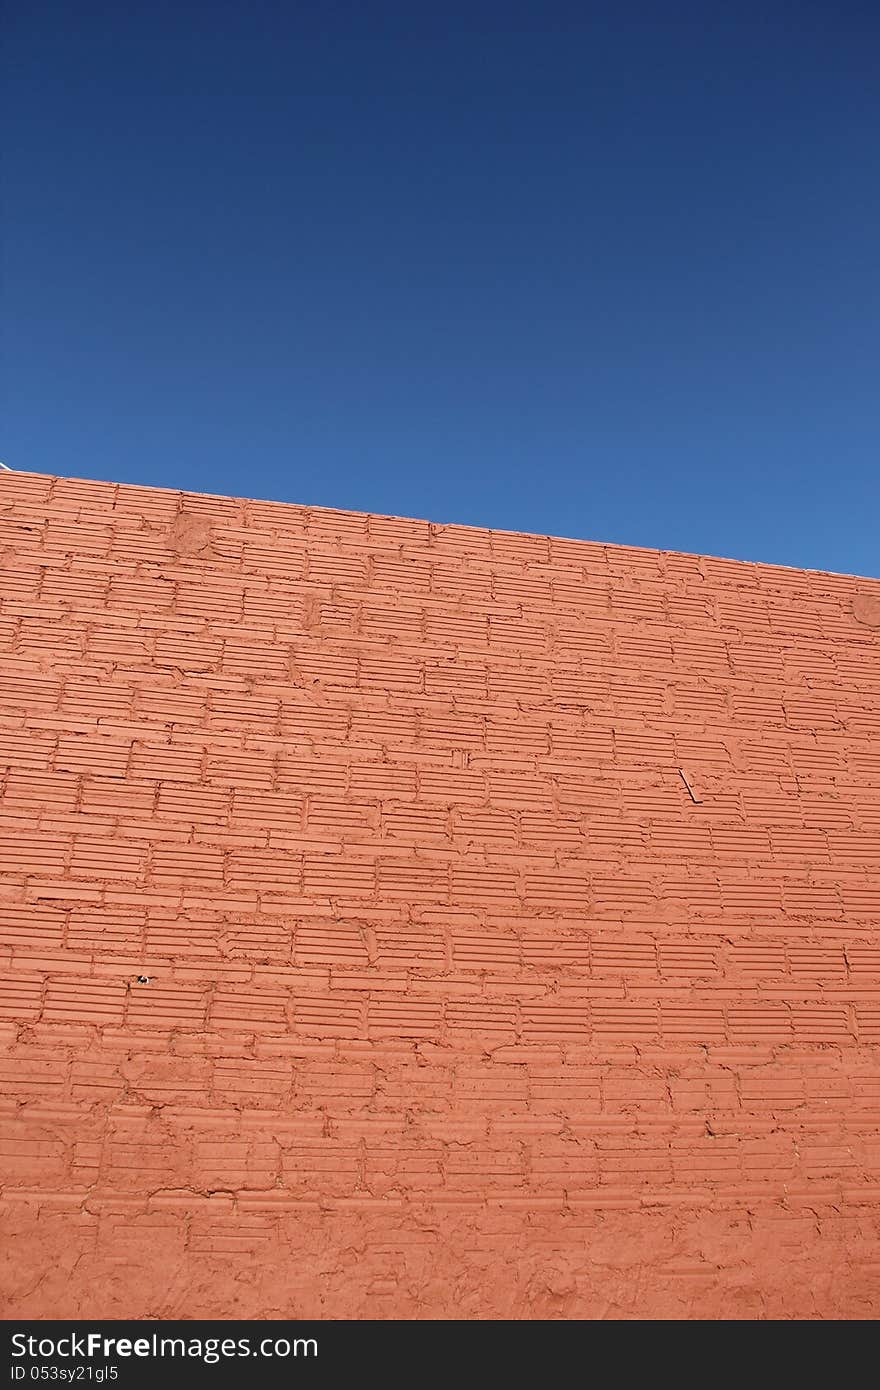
pixel 601 270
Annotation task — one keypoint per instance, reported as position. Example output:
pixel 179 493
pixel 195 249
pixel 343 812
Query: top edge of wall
pixel 183 493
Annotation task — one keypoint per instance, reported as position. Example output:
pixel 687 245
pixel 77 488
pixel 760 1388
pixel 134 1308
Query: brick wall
pixel 508 908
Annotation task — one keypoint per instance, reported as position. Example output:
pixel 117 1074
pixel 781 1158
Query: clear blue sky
pixel 603 270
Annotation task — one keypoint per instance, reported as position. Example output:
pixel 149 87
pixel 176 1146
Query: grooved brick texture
pixel 508 905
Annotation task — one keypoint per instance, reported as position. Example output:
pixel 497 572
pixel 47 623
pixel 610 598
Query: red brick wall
pixel 458 1004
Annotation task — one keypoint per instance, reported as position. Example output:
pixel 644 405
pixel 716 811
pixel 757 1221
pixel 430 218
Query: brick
pixel 351 898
